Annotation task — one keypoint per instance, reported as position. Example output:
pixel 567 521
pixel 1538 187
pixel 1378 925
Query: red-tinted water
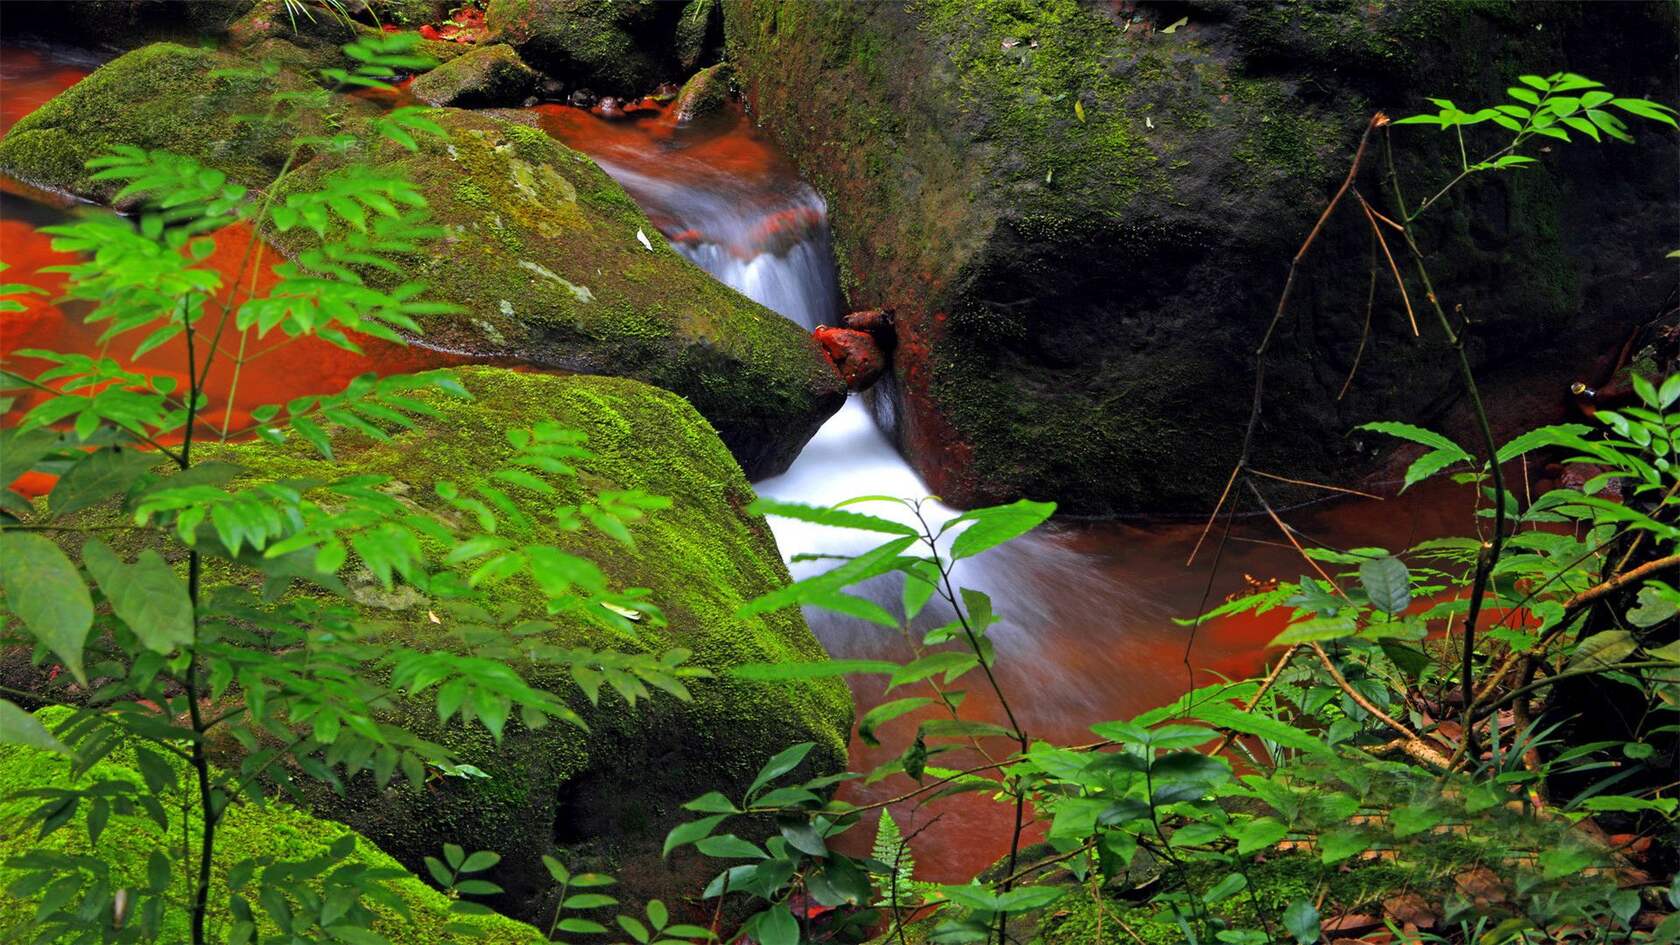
pixel 274 369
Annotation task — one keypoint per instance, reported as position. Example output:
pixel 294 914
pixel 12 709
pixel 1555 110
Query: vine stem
pixel 1489 555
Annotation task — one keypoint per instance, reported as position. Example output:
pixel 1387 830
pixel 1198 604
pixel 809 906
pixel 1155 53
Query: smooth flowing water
pixel 1087 633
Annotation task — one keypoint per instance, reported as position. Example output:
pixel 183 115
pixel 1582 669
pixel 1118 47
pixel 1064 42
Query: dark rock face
pixel 122 24
pixel 1083 220
pixel 854 354
pixel 486 76
pixel 620 47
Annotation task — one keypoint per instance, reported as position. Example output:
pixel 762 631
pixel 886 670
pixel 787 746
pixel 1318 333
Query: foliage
pixel 1349 754
pixel 211 613
pixel 197 616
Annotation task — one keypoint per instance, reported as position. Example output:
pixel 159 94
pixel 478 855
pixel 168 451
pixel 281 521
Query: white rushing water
pixel 769 240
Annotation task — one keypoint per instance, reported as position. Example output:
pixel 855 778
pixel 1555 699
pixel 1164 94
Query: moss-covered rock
pixel 618 47
pixel 605 798
pixel 706 94
pixel 488 75
pixel 1083 218
pixel 543 252
pixel 277 829
pixel 163 96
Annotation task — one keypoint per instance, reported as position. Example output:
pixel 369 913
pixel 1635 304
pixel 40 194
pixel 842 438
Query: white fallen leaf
pixel 1174 28
pixel 642 238
pixel 624 612
pixel 432 617
pixel 1149 122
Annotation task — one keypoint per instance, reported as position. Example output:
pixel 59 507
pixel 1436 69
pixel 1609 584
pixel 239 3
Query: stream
pixel 1087 608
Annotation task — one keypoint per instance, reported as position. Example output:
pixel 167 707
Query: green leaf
pixel 18 727
pixel 1428 465
pixel 1409 819
pixel 99 476
pixel 780 672
pixel 1227 716
pixel 1387 583
pixel 885 712
pixel 1260 834
pixel 1301 919
pixel 1315 630
pixel 784 761
pixel 148 595
pixel 1603 649
pixel 837 518
pixel 1337 845
pixel 997 524
pixel 777 926
pixel 1416 434
pixel 44 590
pixel 730 847
pixel 1646 109
pixel 691 831
pixel 1232 884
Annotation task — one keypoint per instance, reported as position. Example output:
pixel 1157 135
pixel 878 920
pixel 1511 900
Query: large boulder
pixel 1083 215
pixel 276 829
pixel 556 266
pixel 164 96
pixel 603 798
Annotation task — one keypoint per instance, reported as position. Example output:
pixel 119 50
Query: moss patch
pixel 162 96
pixel 604 797
pixel 276 829
pixel 487 75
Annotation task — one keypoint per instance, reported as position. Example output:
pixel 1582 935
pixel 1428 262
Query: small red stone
pixel 855 355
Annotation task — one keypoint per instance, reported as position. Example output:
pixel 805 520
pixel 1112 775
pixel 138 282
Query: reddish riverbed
pixel 1099 641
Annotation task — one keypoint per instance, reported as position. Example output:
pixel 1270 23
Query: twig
pixel 1412 743
pixel 1315 485
pixel 1376 231
pixel 1377 120
pixel 1364 333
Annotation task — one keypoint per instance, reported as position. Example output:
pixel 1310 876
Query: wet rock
pixel 856 356
pixel 483 77
pixel 608 107
pixel 666 93
pixel 188 100
pixel 705 95
pixel 616 789
pixel 582 98
pixel 878 322
pixel 551 89
pixel 699 34
pixel 615 45
pixel 1079 293
pixel 542 255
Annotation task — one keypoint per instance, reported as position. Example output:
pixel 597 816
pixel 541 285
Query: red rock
pixel 855 355
pixel 877 321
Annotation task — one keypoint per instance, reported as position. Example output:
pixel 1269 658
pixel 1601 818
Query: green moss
pixel 487 75
pixel 542 254
pixel 162 96
pixel 594 42
pixel 276 829
pixel 607 795
pixel 707 93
